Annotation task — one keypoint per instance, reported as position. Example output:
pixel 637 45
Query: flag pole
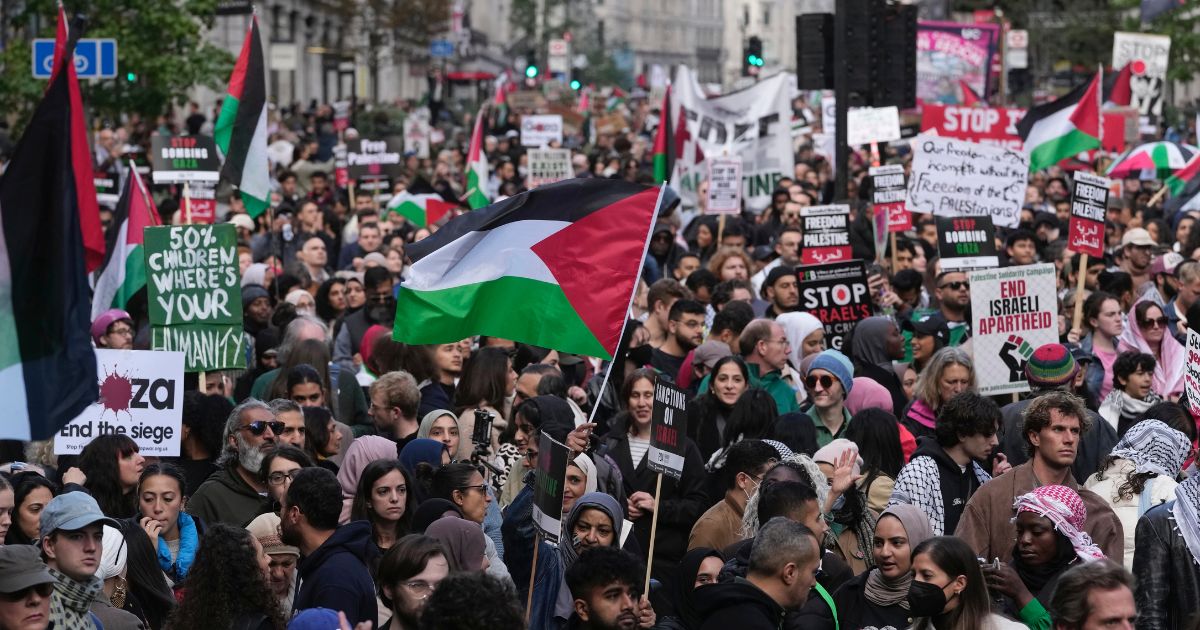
pixel 537 542
pixel 653 531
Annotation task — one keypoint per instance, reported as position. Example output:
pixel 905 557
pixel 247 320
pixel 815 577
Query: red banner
pixel 997 126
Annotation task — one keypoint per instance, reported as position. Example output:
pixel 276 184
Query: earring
pixel 120 591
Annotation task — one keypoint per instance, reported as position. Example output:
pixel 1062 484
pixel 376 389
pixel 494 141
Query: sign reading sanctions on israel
pixel 195 294
pixel 1013 312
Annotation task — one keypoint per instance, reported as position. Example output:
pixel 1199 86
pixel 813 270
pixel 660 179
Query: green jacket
pixel 824 435
pixel 226 498
pixel 773 383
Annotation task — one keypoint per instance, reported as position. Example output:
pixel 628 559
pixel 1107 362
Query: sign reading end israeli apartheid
pixel 1014 311
pixel 668 427
pixel 966 243
pixel 826 234
pixel 1089 201
pixel 954 178
pixel 549 477
pixel 141 396
pixel 195 294
pixel 181 159
pixel 838 295
pixel 889 193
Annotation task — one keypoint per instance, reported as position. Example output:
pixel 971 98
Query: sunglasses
pixel 825 380
pixel 955 286
pixel 1157 322
pixel 259 427
pixel 43 590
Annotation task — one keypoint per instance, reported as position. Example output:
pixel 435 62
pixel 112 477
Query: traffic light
pixel 753 59
pixel 531 71
pixel 130 77
pixel 576 78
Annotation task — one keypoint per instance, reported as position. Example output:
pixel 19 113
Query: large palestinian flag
pixel 554 267
pixel 1063 128
pixel 241 128
pixel 47 364
pixel 124 271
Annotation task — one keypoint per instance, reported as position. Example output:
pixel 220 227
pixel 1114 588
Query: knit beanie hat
pixel 1051 366
pixel 836 364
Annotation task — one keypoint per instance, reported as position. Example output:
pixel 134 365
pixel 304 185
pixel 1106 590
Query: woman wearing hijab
pixel 1140 473
pixel 1167 564
pixel 463 542
pixel 875 344
pixel 1050 539
pixel 1147 332
pixel 430 510
pixel 698 569
pixel 362 452
pixel 805 333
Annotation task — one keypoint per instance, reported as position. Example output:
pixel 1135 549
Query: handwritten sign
pixel 954 178
pixel 549 477
pixel 547 166
pixel 668 429
pixel 889 195
pixel 182 159
pixel 865 125
pixel 826 234
pixel 1014 311
pixel 1191 375
pixel 837 294
pixel 541 130
pixel 1089 200
pixel 966 243
pixel 724 185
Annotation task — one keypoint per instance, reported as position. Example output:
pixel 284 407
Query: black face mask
pixel 381 313
pixel 925 599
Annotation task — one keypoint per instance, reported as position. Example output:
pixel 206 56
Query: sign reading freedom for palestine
pixel 195 294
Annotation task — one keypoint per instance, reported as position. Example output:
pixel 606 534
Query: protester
pixel 173 534
pixel 1167 562
pixel 228 585
pixel 945 563
pixel 71 539
pixel 1147 333
pixel 112 465
pixel 876 433
pixel 114 329
pixel 454 604
pixel 323 438
pixel 463 542
pixel 25 589
pixel 1099 595
pixel 31 493
pixel 875 344
pixel 948 374
pixel 765 349
pixel 830 377
pixel 283 558
pixel 699 568
pixel 721 526
pixel 385 496
pixel 395 399
pixel 232 494
pixel 1102 316
pixel 409 572
pixel 708 413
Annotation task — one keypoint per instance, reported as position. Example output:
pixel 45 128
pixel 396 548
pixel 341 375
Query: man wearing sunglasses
pixel 234 494
pixel 829 380
pixel 954 295
pixel 25 587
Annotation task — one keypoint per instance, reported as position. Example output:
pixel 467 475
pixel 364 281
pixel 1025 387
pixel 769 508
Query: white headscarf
pixel 584 463
pixel 113 554
pixel 798 326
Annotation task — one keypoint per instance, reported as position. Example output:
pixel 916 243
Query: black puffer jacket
pixel 1168 580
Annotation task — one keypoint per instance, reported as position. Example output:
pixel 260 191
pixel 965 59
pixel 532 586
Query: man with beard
pixel 380 309
pixel 604 584
pixel 1187 274
pixel 787 251
pixel 1137 245
pixel 782 290
pixel 954 295
pixel 685 328
pixel 234 494
pixel 333 560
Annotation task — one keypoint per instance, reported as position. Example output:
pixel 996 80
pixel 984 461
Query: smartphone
pixel 482 433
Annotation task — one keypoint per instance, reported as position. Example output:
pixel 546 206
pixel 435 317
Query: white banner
pixel 865 125
pixel 753 124
pixel 547 166
pixel 141 395
pixel 724 186
pixel 541 130
pixel 1014 311
pixel 956 178
pixel 1147 55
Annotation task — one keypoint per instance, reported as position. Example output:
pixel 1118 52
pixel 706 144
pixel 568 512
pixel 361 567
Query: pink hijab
pixel 1170 363
pixel 867 394
pixel 362 451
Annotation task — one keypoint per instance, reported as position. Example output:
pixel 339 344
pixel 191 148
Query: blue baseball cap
pixel 71 511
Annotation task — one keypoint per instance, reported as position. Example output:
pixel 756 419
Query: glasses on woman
pixel 43 590
pixel 1157 322
pixel 278 477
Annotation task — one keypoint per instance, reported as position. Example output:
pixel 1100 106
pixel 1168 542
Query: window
pixel 766 14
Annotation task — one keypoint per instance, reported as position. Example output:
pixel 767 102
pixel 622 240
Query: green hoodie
pixel 773 383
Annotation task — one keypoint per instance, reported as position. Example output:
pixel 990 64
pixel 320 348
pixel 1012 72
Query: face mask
pixel 925 599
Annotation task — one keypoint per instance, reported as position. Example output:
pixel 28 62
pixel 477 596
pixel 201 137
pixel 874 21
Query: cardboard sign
pixel 966 243
pixel 953 178
pixel 141 395
pixel 525 100
pixel 826 234
pixel 204 203
pixel 1148 56
pixel 108 194
pixel 547 166
pixel 540 131
pixel 182 159
pixel 195 294
pixel 365 158
pixel 865 125
pixel 549 477
pixel 416 133
pixel 1191 375
pixel 993 126
pixel 724 185
pixel 668 429
pixel 1014 311
pixel 837 294
pixel 1089 201
pixel 889 194
pixel 341 174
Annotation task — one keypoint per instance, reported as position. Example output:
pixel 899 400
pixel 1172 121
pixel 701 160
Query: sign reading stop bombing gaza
pixel 195 294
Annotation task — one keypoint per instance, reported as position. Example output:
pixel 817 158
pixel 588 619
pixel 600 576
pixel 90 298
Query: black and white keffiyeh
pixel 1154 447
pixel 1187 514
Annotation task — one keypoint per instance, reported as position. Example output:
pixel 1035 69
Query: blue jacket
pixel 519 538
pixel 336 576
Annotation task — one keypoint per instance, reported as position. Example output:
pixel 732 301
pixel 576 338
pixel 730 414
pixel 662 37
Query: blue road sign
pixel 94 58
pixel 441 48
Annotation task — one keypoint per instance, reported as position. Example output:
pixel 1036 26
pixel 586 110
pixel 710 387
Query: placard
pixel 179 159
pixel 416 134
pixel 194 294
pixel 889 193
pixel 204 203
pixel 838 295
pixel 865 125
pixel 374 158
pixel 549 477
pixel 954 178
pixel 949 52
pixel 1089 201
pixel 341 115
pixel 528 100
pixel 668 429
pixel 107 192
pixel 724 185
pixel 993 126
pixel 540 131
pixel 826 236
pixel 1147 56
pixel 141 395
pixel 1191 375
pixel 966 243
pixel 1014 311
pixel 546 166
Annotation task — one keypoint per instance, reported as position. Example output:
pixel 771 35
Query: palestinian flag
pixel 969 97
pixel 664 142
pixel 1178 181
pixel 422 209
pixel 553 267
pixel 1119 93
pixel 1063 128
pixel 1161 158
pixel 241 128
pixel 124 270
pixel 477 166
pixel 47 364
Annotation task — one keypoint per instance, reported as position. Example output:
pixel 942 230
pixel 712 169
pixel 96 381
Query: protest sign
pixel 108 194
pixel 949 52
pixel 195 298
pixel 1191 375
pixel 1089 201
pixel 540 131
pixel 993 126
pixel 724 185
pixel 549 478
pixel 966 243
pixel 366 158
pixel 204 203
pixel 753 124
pixel 141 395
pixel 865 125
pixel 547 166
pixel 953 178
pixel 1014 311
pixel 668 428
pixel 380 187
pixel 416 133
pixel 1147 57
pixel 826 234
pixel 341 174
pixel 341 115
pixel 180 159
pixel 528 100
pixel 837 294
pixel 889 193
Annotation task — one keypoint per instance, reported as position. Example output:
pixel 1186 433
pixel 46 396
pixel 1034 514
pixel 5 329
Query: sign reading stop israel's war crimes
pixel 1013 312
pixel 837 294
pixel 954 178
pixel 194 293
pixel 826 234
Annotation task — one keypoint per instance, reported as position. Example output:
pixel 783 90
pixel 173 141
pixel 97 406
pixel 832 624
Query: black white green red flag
pixel 124 270
pixel 241 127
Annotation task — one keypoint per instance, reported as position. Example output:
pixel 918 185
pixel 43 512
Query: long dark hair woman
pixel 331 299
pixel 488 382
pixel 751 418
pixel 31 493
pixel 708 414
pixel 113 466
pixel 948 590
pixel 227 587
pixel 877 434
pixel 149 596
pixel 385 497
pixel 323 439
pixel 174 535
